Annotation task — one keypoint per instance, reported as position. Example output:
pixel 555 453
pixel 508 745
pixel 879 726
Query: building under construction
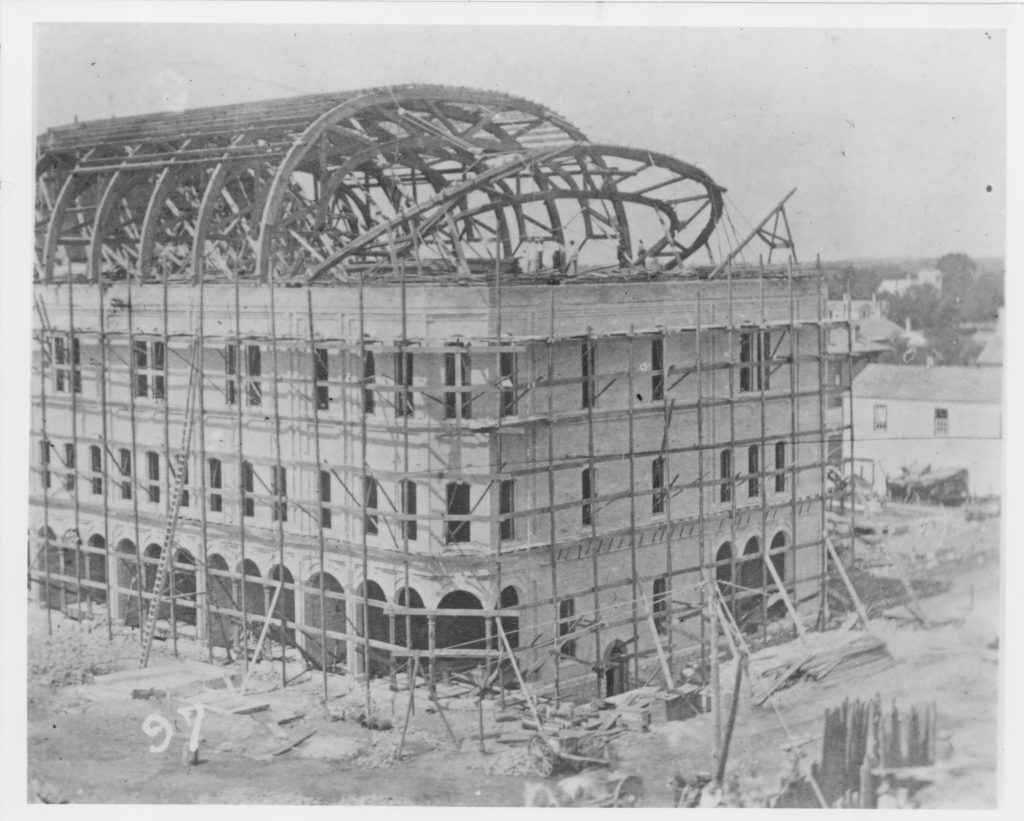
pixel 418 373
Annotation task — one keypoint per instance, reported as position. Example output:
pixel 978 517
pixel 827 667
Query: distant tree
pixel 984 299
pixel 958 272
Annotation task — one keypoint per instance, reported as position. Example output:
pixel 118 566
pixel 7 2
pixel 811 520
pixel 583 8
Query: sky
pixel 894 138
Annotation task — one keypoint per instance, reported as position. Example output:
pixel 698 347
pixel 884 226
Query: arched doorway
pixel 285 607
pixel 416 638
pixel 334 619
pixel 510 624
pixel 128 583
pixel 463 632
pixel 150 563
pixel 222 601
pixel 378 627
pixel 184 587
pixel 777 556
pixel 251 584
pixel 723 570
pixel 751 580
pixel 96 568
pixel 616 669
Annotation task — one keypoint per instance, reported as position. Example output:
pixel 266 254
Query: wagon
pixel 568 750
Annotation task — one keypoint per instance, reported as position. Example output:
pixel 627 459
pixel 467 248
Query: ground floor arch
pixel 334 620
pixel 221 596
pixel 285 607
pixel 509 600
pixel 616 669
pixel 411 631
pixel 372 622
pixel 128 590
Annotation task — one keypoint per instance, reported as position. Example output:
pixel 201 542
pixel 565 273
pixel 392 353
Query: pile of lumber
pixel 865 653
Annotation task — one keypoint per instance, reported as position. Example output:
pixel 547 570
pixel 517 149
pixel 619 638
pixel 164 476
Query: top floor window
pixel 456 526
pixel 458 404
pixel 248 376
pixel 941 421
pixel 657 369
pixel 67 362
pixel 507 378
pixel 149 361
pixel 881 417
pixel 403 384
pixel 755 354
pixel 321 373
pixel 369 379
pixel 588 370
pixel 725 474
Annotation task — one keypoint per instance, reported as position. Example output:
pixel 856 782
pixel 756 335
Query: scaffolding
pixel 264 246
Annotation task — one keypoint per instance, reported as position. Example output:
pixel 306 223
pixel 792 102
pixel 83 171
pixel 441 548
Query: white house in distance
pixel 898 287
pixel 946 417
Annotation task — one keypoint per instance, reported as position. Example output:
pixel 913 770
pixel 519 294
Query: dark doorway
pixel 616 669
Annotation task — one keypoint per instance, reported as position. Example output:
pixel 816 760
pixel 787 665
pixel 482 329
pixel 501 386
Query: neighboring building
pixel 411 434
pixel 856 309
pixel 947 417
pixel 898 287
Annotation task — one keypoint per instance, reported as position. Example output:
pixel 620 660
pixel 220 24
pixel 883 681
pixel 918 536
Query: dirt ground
pixel 84 747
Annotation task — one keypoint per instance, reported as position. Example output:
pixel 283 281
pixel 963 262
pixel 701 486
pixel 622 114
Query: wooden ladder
pixel 180 462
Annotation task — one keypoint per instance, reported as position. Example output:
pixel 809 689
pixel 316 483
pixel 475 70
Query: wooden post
pixel 519 677
pixel 665 667
pixel 733 707
pixel 785 597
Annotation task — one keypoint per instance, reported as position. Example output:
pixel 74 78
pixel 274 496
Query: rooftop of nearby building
pixel 940 383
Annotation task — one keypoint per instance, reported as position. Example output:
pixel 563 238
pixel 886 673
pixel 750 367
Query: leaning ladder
pixel 180 462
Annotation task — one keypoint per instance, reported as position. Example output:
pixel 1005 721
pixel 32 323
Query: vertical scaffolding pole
pixel 364 545
pixel 593 490
pixel 204 594
pixel 44 454
pixel 823 455
pixel 762 462
pixel 500 463
pixel 709 602
pixel 240 455
pixel 551 491
pixel 133 458
pixel 794 436
pixel 75 384
pixel 173 604
pixel 734 463
pixel 636 591
pixel 110 556
pixel 666 497
pixel 280 499
pixel 319 489
pixel 847 400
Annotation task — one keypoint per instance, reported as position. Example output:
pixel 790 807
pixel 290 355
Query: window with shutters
pixel 508 379
pixel 248 488
pixel 153 476
pixel 506 509
pixel 70 475
pixel 67 362
pixel 458 403
pixel 403 384
pixel 588 368
pixel 780 467
pixel 279 490
pixel 657 369
pixel 407 491
pixel 148 363
pixel 587 494
pixel 370 505
pixel 96 469
pixel 658 485
pixel 322 375
pixel 124 463
pixel 326 519
pixel 456 530
pixel 725 475
pixel 215 480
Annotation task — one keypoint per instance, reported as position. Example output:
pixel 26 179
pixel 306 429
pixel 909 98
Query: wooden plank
pixel 263 635
pixel 785 597
pixel 666 670
pixel 849 585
